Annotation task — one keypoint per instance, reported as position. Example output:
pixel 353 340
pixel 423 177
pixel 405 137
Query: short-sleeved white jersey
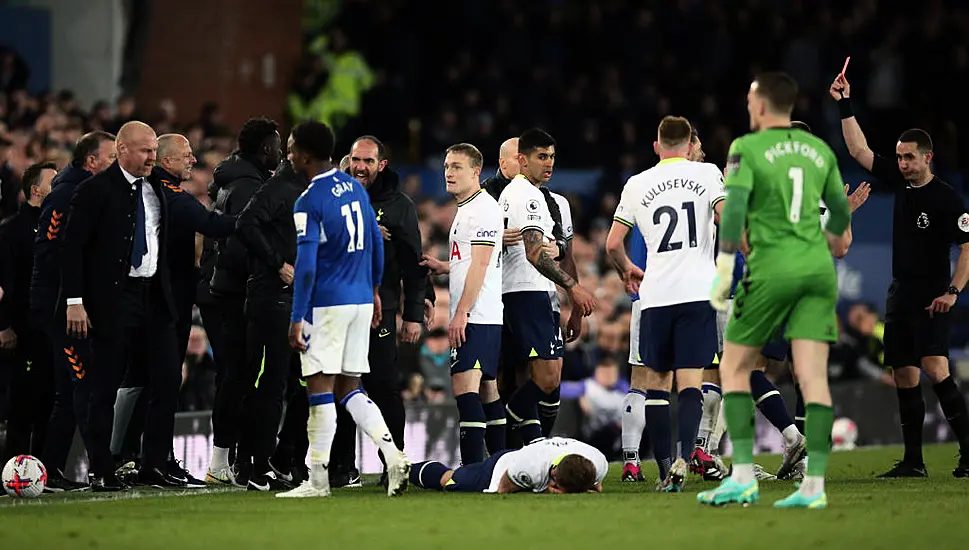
pixel 531 466
pixel 672 204
pixel 524 207
pixel 567 232
pixel 478 222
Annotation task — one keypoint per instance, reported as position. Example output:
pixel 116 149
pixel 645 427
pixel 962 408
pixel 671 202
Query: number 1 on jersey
pixel 796 173
pixel 354 229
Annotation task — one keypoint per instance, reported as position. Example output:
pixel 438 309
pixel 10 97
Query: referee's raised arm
pixel 854 138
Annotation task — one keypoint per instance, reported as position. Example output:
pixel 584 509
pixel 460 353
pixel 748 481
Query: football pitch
pixel 863 513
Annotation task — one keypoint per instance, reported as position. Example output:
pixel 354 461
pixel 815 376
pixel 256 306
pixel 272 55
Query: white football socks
pixel 220 459
pixel 791 435
pixel 321 428
pixel 712 399
pixel 633 424
pixel 368 417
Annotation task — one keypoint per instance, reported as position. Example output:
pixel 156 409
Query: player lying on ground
pixel 556 465
pixel 776 177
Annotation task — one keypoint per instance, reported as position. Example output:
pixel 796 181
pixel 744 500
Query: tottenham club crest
pixel 923 221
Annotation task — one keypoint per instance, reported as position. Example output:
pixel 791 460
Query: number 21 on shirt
pixel 354 228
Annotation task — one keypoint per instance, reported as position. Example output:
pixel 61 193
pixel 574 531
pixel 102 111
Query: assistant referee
pixel 929 217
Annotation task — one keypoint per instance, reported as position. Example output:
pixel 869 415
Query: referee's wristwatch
pixel 952 290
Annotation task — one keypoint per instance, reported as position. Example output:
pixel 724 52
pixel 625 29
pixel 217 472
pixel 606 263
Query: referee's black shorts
pixel 910 333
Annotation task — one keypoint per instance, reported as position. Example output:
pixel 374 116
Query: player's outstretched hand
pixel 384 232
pixel 296 337
pixel 720 293
pixel 942 304
pixel 511 236
pixel 435 266
pixel 582 300
pixel 455 331
pixel 573 328
pixel 859 196
pixel 633 277
pixel 840 88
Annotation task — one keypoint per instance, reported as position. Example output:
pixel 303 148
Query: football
pixel 24 476
pixel 844 434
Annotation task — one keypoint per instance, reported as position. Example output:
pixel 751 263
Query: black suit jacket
pixel 96 254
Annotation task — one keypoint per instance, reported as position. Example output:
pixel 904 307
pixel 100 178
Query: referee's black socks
pixel 954 407
pixel 911 411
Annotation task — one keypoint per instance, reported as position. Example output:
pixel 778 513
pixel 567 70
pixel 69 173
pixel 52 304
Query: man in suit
pixel 116 289
pixel 187 217
pixel 23 348
pixel 94 152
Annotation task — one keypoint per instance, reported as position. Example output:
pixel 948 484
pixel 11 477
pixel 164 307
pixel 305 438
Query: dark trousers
pixel 267 370
pixel 252 390
pixel 31 377
pixel 382 386
pixel 145 340
pixel 63 423
pixel 137 378
pixel 293 442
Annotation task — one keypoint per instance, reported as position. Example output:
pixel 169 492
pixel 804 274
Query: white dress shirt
pixel 149 262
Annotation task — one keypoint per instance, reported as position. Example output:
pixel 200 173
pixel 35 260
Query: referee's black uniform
pixel 928 219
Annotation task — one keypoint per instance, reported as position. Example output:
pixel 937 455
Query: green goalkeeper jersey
pixel 787 172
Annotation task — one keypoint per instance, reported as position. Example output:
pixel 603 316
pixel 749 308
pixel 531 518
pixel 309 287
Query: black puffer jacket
pixel 237 179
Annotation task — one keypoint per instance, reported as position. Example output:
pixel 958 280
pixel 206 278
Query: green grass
pixel 864 513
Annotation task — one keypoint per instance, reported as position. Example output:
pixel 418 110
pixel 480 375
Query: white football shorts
pixel 338 340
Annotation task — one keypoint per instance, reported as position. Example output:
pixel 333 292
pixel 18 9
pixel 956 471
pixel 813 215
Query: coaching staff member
pixel 187 216
pixel 267 230
pixel 237 178
pixel 397 216
pixel 93 153
pixel 929 217
pixel 116 289
pixel 24 347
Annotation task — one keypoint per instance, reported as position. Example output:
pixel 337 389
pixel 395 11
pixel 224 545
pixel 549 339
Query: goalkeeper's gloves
pixel 720 294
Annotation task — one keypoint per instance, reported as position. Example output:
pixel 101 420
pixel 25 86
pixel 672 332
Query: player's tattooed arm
pixel 535 252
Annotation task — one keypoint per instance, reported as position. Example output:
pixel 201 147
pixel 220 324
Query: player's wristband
pixel 952 290
pixel 844 105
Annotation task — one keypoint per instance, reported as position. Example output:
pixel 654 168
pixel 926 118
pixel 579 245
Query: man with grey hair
pixel 187 216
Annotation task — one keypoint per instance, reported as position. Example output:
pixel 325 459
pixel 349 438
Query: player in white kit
pixel 673 206
pixel 555 465
pixel 531 333
pixel 474 264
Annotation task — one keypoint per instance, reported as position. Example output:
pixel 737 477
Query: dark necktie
pixel 140 246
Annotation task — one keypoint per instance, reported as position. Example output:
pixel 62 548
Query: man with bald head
pixel 115 288
pixel 507 168
pixel 187 217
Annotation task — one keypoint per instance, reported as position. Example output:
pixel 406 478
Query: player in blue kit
pixel 339 265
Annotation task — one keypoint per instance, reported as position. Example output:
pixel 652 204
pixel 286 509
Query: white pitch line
pixel 52 500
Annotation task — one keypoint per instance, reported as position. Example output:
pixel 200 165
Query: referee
pixel 929 217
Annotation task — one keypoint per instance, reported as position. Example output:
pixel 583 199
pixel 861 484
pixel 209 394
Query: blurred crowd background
pixel 598 76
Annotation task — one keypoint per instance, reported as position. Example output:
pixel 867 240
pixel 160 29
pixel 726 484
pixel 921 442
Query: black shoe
pixel 267 482
pixel 242 470
pixel 962 470
pixel 57 483
pixel 905 469
pixel 344 479
pixel 281 474
pixel 176 471
pixel 300 473
pixel 159 479
pixel 383 479
pixel 107 484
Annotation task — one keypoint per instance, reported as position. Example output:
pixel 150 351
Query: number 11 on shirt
pixel 354 229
